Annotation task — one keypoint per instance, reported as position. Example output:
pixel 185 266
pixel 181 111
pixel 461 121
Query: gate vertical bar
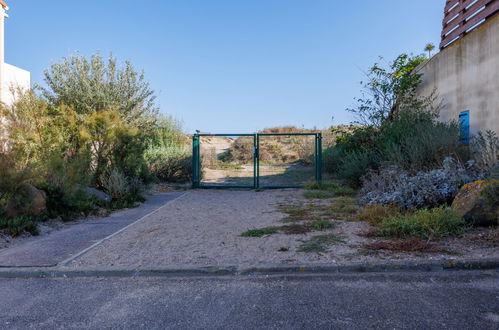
pixel 257 173
pixel 255 161
pixel 319 160
pixel 316 156
pixel 195 161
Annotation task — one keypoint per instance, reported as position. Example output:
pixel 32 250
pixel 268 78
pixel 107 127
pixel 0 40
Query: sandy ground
pixel 203 228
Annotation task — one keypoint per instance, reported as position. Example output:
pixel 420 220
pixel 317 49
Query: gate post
pixel 195 161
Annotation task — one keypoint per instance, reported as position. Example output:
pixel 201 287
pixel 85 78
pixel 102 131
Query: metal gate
pixel 254 179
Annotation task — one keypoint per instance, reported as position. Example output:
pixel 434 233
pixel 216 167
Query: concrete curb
pixel 432 266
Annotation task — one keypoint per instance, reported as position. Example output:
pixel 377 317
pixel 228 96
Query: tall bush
pixel 93 117
pixel 399 128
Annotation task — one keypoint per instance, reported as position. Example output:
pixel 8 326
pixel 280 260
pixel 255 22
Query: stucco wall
pixel 13 77
pixel 465 76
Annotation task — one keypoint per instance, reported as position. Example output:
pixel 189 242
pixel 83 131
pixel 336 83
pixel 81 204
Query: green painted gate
pixel 256 138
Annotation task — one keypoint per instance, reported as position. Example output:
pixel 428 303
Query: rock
pixel 26 200
pixel 474 206
pixel 99 194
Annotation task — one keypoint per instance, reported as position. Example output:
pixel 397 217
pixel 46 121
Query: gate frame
pixel 196 160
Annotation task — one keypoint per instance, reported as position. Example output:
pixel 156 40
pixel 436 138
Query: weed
pixel 375 214
pixel 295 229
pixel 425 223
pixel 320 224
pixel 343 208
pixel 315 185
pixel 229 166
pixel 283 249
pixel 407 245
pixel 298 212
pixel 333 189
pixel 319 243
pixel 259 232
pixel 318 194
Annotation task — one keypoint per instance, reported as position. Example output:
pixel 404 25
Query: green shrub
pixel 116 184
pixel 332 159
pixel 491 197
pixel 18 225
pixel 170 164
pixel 356 164
pixel 425 223
pixel 413 140
pixel 68 202
pixel 417 141
pixel 10 176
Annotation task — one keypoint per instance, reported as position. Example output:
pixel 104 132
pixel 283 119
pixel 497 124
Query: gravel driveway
pixel 203 227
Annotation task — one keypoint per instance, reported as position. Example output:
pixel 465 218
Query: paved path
pixel 60 245
pixel 454 300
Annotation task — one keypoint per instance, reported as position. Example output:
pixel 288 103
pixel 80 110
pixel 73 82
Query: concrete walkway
pixel 56 247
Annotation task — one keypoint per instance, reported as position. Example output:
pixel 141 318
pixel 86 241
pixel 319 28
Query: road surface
pixel 439 300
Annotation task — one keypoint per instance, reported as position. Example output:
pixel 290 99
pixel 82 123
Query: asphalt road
pixel 445 300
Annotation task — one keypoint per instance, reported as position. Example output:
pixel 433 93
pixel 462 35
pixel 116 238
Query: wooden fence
pixel 462 16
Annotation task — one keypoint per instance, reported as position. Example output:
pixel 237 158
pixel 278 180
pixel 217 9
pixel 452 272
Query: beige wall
pixel 465 76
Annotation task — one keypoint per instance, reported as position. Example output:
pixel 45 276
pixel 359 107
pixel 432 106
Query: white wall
pixel 12 78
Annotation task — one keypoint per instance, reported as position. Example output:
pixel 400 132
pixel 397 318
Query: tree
pixel 94 85
pixel 429 48
pixel 388 89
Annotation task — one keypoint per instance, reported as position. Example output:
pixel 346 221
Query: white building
pixel 11 77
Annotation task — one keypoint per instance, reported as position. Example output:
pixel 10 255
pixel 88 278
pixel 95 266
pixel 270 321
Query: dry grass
pixel 375 214
pixel 295 229
pixel 341 208
pixel 326 189
pixel 298 212
pixel 405 245
pixel 320 243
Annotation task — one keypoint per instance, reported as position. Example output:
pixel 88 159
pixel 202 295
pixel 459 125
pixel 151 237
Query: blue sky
pixel 232 65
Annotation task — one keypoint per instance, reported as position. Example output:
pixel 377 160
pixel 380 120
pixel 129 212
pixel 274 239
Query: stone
pixel 26 200
pixel 474 206
pixel 99 194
